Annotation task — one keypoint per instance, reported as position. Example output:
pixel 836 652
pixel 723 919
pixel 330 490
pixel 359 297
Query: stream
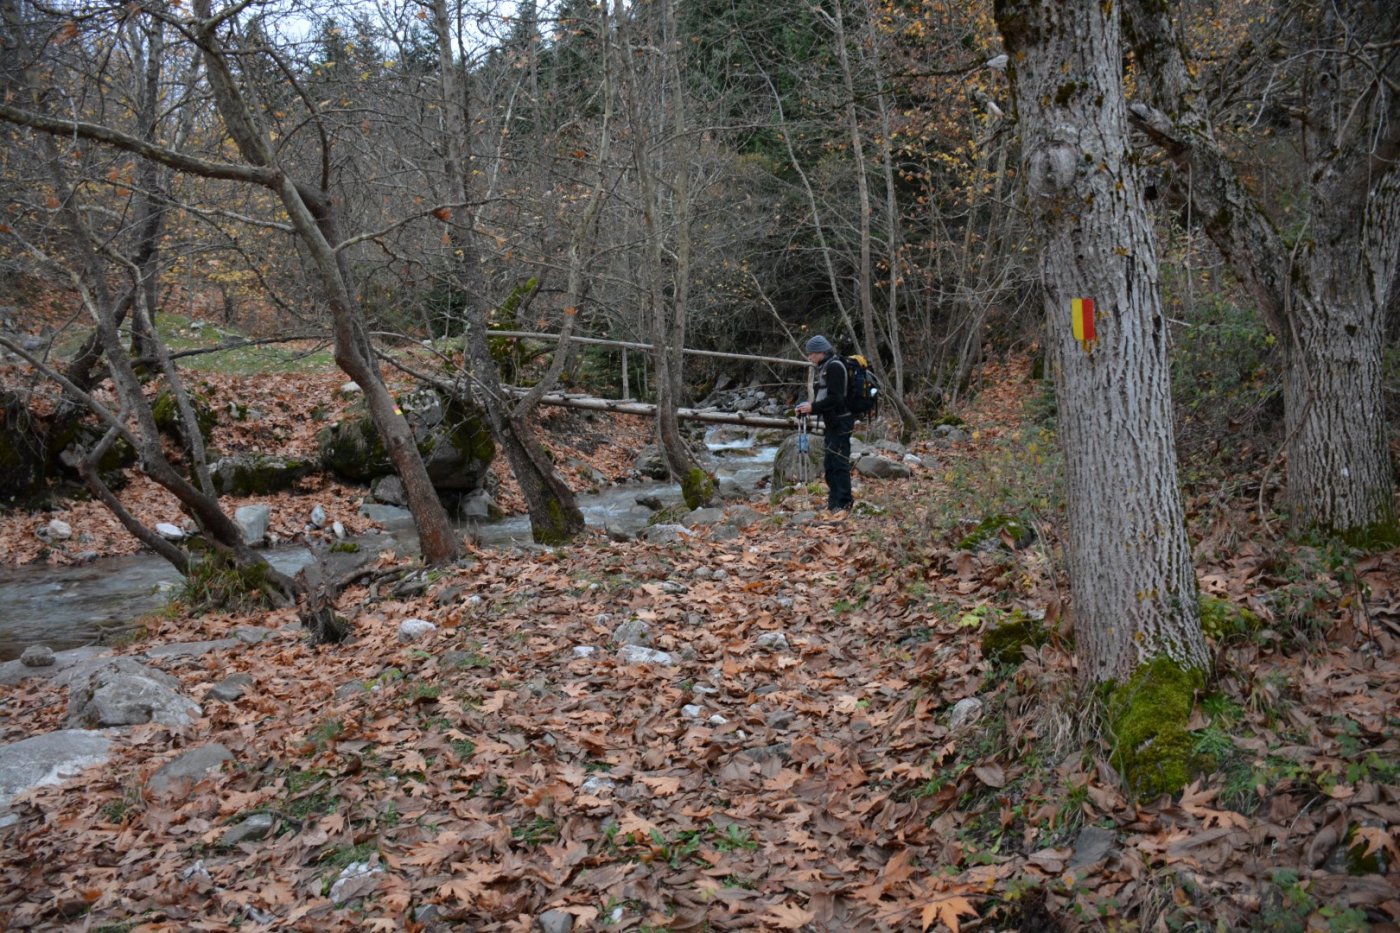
pixel 99 602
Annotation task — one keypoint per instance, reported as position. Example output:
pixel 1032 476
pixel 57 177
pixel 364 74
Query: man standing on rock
pixel 830 404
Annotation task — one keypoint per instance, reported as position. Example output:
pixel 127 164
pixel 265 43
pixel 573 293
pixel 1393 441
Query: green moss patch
pixel 698 488
pixel 1002 644
pixel 1221 618
pixel 996 528
pixel 1148 718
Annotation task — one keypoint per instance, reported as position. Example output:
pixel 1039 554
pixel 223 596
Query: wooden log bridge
pixel 646 409
pixel 626 406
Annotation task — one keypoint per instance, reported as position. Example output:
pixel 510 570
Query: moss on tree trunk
pixel 1148 720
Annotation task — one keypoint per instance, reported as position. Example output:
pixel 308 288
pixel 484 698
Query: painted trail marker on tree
pixel 1082 314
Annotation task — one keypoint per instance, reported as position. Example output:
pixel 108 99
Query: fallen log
pixel 646 409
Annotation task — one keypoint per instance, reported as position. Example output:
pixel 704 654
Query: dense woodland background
pixel 930 184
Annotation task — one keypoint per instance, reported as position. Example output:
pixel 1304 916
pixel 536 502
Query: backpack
pixel 862 388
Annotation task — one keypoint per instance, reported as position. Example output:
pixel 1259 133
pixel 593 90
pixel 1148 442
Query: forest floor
pixel 494 779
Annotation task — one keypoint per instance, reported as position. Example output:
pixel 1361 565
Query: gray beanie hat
pixel 818 344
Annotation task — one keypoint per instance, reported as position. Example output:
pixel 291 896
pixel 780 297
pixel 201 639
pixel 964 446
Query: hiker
pixel 830 404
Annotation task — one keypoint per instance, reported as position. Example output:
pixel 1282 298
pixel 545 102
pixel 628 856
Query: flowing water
pixel 98 602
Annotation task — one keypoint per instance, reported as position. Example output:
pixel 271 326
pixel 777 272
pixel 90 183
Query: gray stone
pixel 356 880
pixel 258 474
pixel 965 712
pixel 1091 845
pixel 170 532
pixel 632 632
pixel 57 530
pixel 636 654
pixel 790 466
pixel 254 827
pixel 652 502
pixel 318 516
pixel 651 463
pixel 555 921
pixel 189 649
pixel 252 521
pixel 178 776
pixel 583 651
pixel 691 711
pixel 880 468
pixel 351 388
pixel 722 533
pixel 37 656
pixel 779 719
pixel 124 692
pixel 710 516
pixel 231 688
pixel 47 759
pixel 12 672
pixel 386 514
pixel 389 490
pixel 667 534
pixel 772 641
pixel 411 630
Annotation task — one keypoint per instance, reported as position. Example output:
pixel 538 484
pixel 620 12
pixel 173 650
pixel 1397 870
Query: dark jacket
pixel 830 400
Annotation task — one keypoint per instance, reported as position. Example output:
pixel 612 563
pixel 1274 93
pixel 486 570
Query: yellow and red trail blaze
pixel 1083 314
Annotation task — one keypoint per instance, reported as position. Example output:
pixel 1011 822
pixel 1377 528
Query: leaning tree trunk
pixel 313 216
pixel 554 513
pixel 1133 584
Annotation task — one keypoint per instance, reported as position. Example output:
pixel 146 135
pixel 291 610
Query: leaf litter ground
pixel 491 775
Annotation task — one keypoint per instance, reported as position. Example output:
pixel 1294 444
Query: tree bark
pixel 554 513
pixel 1134 587
pixel 1324 296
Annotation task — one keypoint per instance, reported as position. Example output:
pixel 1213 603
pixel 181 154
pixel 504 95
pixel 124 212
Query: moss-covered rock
pixel 1221 618
pixel 793 467
pixel 1002 644
pixel 1148 718
pixel 258 474
pixel 22 460
pixel 697 488
pixel 166 412
pixel 453 437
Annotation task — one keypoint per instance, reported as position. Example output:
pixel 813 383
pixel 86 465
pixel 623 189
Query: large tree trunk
pixel 1133 584
pixel 1324 297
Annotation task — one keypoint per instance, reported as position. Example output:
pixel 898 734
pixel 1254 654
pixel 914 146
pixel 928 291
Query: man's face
pixel 815 358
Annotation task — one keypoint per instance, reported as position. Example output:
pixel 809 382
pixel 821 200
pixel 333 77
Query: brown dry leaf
pixel 948 911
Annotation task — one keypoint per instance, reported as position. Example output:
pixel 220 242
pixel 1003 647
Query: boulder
pixel 651 463
pixel 389 490
pixel 178 776
pixel 252 521
pixel 124 692
pixel 257 474
pixel 46 759
pixel 788 464
pixel 880 468
pixel 453 437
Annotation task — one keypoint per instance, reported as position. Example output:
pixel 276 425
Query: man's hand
pixel 805 408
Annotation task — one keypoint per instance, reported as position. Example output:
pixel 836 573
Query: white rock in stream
pixel 170 532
